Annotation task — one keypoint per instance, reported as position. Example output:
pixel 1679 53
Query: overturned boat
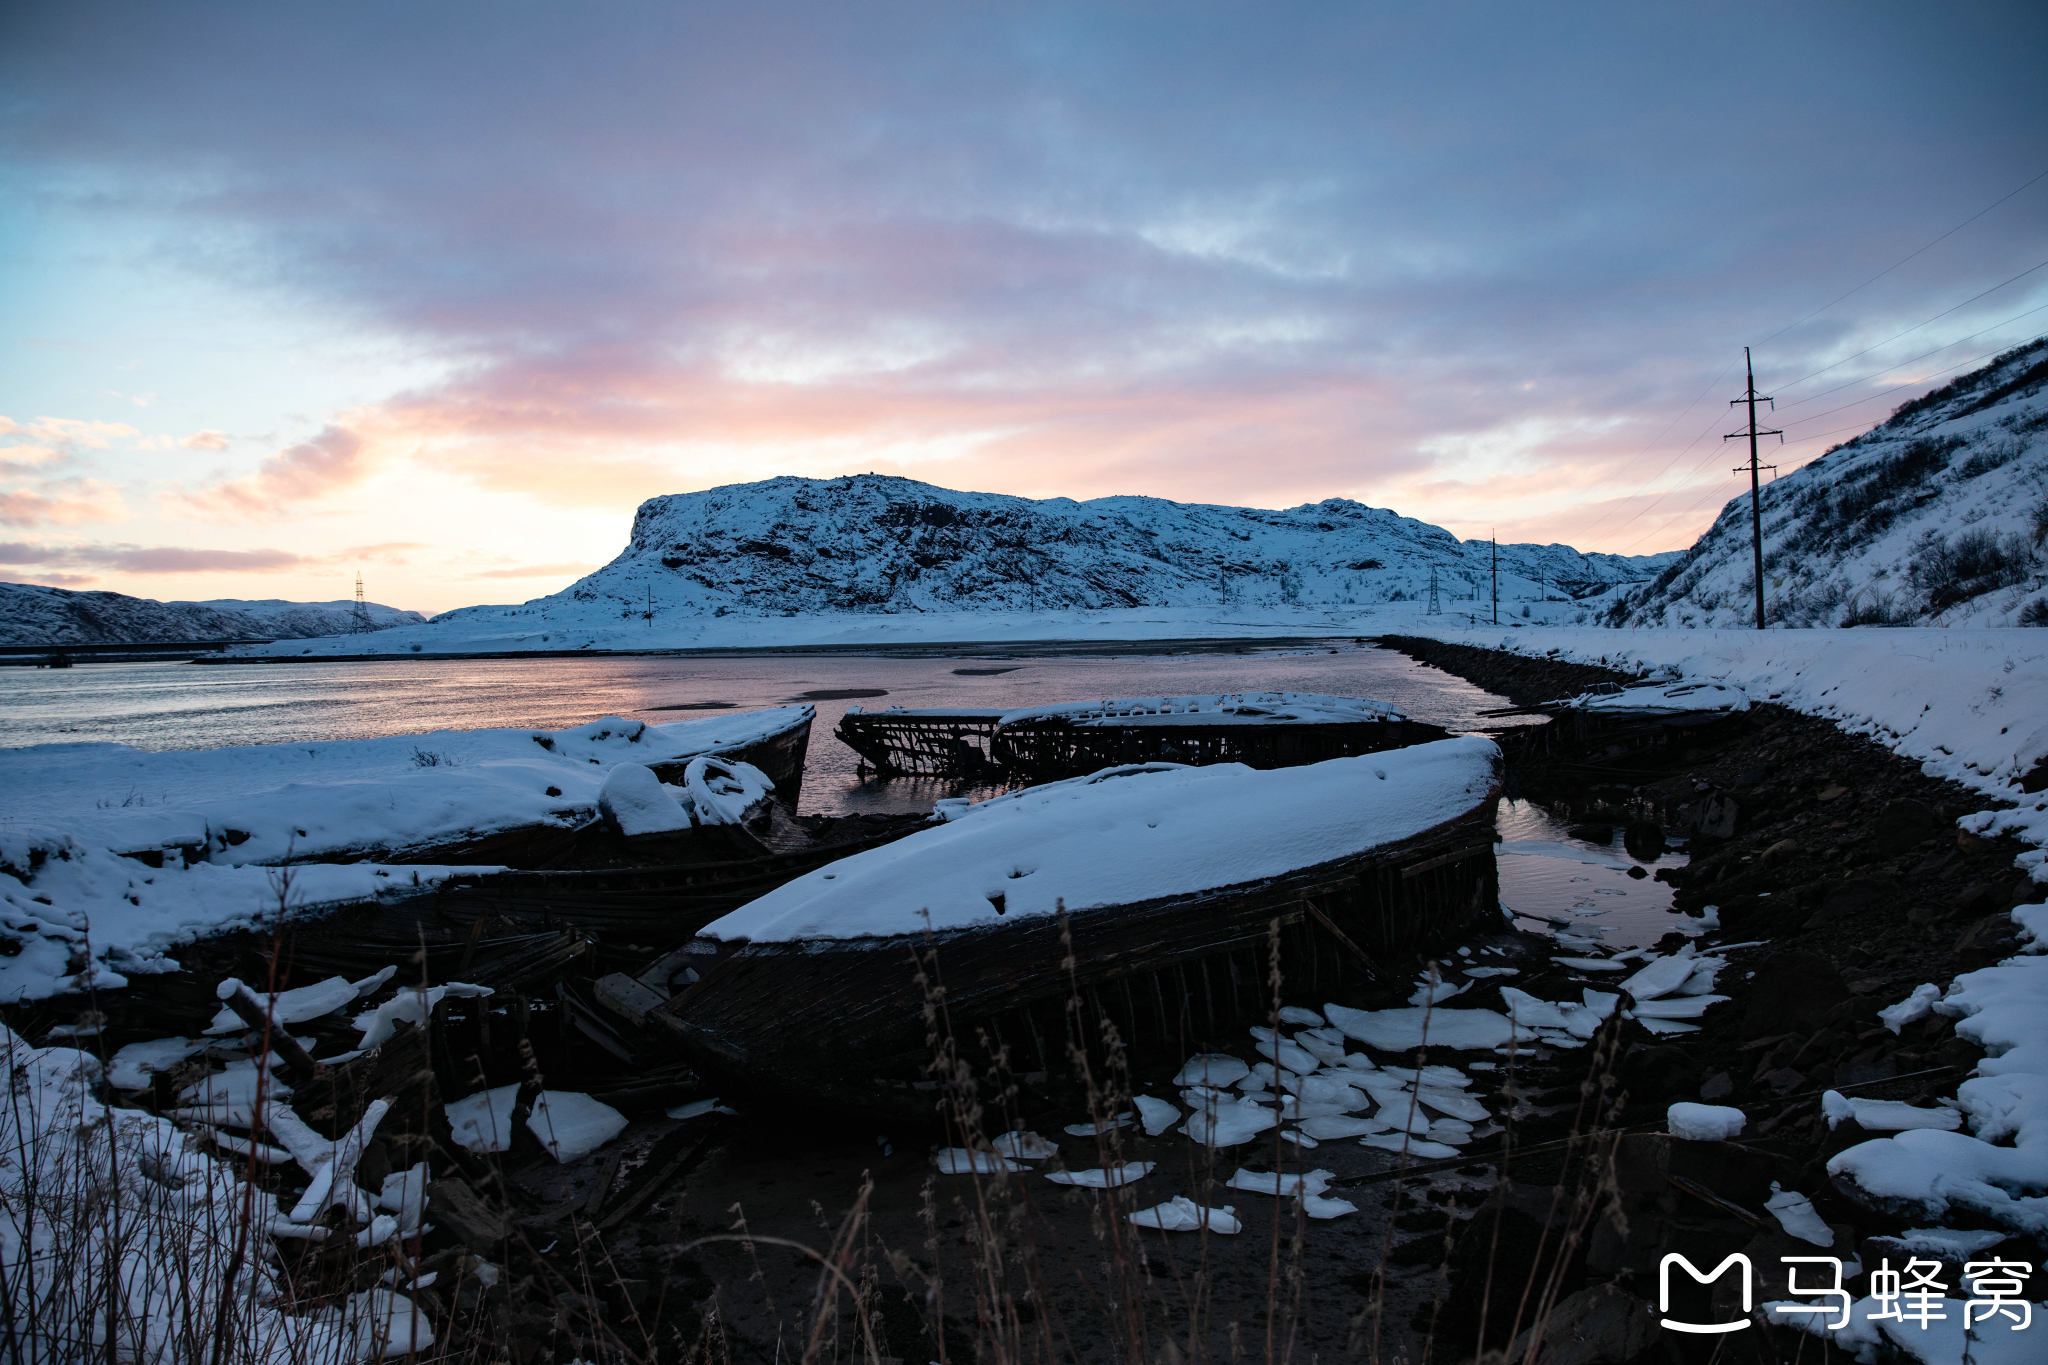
pixel 1611 720
pixel 1049 743
pixel 1150 891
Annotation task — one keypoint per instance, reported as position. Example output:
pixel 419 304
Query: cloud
pixel 333 460
pixel 154 559
pixel 58 580
pixel 537 571
pixel 63 502
pixel 208 439
pixel 68 431
pixel 386 552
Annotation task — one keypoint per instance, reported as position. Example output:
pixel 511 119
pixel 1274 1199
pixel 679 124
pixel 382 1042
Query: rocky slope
pixel 877 544
pixel 34 615
pixel 1936 517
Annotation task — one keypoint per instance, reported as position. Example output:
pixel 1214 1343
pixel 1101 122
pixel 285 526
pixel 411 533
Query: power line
pixel 1812 397
pixel 1918 325
pixel 1902 260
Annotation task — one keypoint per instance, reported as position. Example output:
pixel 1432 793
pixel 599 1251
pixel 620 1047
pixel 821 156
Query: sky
pixel 440 293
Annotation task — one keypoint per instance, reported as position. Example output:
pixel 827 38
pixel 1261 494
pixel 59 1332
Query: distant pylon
pixel 360 624
pixel 1435 607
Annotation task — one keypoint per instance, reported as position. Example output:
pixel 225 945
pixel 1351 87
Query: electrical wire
pixel 1910 359
pixel 1916 326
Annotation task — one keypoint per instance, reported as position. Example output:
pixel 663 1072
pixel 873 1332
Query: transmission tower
pixel 360 624
pixel 1496 580
pixel 1435 608
pixel 1756 515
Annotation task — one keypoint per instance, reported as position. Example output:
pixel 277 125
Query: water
pixel 185 706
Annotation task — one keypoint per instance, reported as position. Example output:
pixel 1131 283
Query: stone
pixel 1719 814
pixel 1783 848
pixel 1904 822
pixel 1717 1086
pixel 1784 1080
pixel 1792 991
pixel 1833 792
pixel 1644 840
pixel 1592 834
pixel 1603 1325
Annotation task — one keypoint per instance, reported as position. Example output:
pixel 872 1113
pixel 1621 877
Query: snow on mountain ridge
pixel 882 544
pixel 1937 516
pixel 31 614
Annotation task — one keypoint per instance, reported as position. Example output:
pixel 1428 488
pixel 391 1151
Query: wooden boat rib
pixel 841 1016
pixel 1046 744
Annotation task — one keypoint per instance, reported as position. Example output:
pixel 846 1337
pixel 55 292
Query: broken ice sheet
pixel 961 1161
pixel 1795 1213
pixel 570 1125
pixel 1213 1069
pixel 1122 1120
pixel 1025 1146
pixel 1299 1014
pixel 1103 1178
pixel 1182 1214
pixel 1155 1114
pixel 1420 1148
pixel 1228 1124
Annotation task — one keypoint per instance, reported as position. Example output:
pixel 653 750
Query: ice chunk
pixel 133 1065
pixel 1344 1092
pixel 1342 1126
pixel 962 1161
pixel 1103 1178
pixel 634 800
pixel 1703 1122
pixel 1277 1184
pixel 1297 1014
pixel 1454 1103
pixel 695 1108
pixel 1795 1214
pixel 1662 975
pixel 1948 1244
pixel 1122 1120
pixel 1404 1030
pixel 1299 1138
pixel 1886 1116
pixel 1420 1148
pixel 1026 1146
pixel 1530 1012
pixel 1914 1007
pixel 1677 1006
pixel 1493 971
pixel 1157 1115
pixel 1322 1049
pixel 1591 964
pixel 1429 992
pixel 722 790
pixel 1702 979
pixel 405 1194
pixel 569 1125
pixel 1656 1025
pixel 287 1007
pixel 1212 1068
pixel 1228 1124
pixel 1182 1214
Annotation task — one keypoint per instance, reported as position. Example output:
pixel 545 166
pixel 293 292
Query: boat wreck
pixel 1151 891
pixel 1612 720
pixel 1049 743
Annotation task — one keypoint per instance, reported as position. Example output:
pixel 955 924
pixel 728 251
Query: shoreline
pixel 954 649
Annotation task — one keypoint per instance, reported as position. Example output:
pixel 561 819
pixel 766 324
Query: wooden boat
pixel 1612 720
pixel 1170 878
pixel 1049 743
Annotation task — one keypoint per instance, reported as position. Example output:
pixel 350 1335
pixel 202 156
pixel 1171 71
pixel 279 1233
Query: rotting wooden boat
pixel 1611 720
pixel 1171 879
pixel 1049 743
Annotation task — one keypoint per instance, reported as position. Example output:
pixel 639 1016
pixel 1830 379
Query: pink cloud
pixel 536 571
pixel 153 559
pixel 62 502
pixel 333 460
pixel 208 439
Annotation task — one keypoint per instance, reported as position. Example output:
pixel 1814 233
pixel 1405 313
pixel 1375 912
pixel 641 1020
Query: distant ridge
pixel 31 614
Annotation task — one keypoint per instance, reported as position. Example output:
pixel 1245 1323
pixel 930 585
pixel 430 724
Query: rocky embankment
pixel 1840 869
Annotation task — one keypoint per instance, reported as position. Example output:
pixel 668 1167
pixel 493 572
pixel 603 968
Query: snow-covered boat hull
pixel 844 1018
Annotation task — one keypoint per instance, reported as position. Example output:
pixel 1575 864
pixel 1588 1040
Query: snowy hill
pixel 1936 517
pixel 704 568
pixel 34 615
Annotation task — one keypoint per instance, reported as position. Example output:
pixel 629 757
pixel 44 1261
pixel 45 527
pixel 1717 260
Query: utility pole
pixel 1496 578
pixel 1435 608
pixel 1756 515
pixel 359 623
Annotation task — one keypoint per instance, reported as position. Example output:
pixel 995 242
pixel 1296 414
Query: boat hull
pixel 847 1021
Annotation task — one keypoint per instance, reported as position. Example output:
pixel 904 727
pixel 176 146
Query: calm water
pixel 188 706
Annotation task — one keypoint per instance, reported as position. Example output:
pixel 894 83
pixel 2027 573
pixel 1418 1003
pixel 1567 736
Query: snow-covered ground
pixel 34 615
pixel 217 823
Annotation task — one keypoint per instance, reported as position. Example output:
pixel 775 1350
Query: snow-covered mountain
pixel 878 544
pixel 1939 516
pixel 35 615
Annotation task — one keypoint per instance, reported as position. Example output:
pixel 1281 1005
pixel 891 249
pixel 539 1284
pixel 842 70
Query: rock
pixel 1903 823
pixel 1638 874
pixel 1718 816
pixel 1784 1080
pixel 1644 840
pixel 1971 843
pixel 1853 899
pixel 464 1213
pixel 1657 1071
pixel 1782 848
pixel 1832 792
pixel 1592 834
pixel 1718 1086
pixel 1602 1325
pixel 1791 992
pixel 1991 939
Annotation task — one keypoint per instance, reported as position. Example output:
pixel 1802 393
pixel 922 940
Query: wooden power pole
pixel 1756 515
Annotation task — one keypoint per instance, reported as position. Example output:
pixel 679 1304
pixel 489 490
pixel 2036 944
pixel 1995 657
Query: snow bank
pixel 78 916
pixel 569 1125
pixel 265 803
pixel 1103 843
